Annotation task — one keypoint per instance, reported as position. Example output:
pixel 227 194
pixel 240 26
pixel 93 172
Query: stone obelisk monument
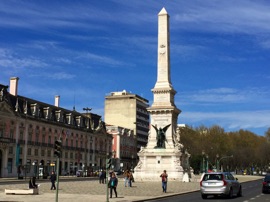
pixel 163 151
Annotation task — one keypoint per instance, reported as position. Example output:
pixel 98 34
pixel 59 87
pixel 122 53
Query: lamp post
pixel 34 166
pixel 206 166
pixel 114 163
pixel 203 153
pixel 217 162
pixel 224 157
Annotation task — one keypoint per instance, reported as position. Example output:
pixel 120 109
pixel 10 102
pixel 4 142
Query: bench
pixel 22 191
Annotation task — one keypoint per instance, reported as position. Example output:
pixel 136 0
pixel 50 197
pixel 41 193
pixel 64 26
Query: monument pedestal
pixel 153 161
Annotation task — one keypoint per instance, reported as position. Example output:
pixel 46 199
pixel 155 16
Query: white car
pixel 220 183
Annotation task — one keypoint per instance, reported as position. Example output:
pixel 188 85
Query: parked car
pixel 220 184
pixel 79 173
pixel 266 184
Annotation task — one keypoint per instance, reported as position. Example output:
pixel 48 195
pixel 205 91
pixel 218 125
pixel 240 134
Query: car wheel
pixel 204 196
pixel 230 195
pixel 239 194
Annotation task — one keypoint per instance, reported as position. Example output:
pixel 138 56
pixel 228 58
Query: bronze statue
pixel 161 137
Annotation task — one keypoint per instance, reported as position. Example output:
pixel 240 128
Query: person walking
pixel 113 184
pixel 53 179
pixel 164 180
pixel 32 183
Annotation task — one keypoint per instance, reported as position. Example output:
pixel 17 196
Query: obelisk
pixel 163 110
pixel 153 159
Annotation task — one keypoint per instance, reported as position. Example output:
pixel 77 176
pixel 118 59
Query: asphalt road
pixel 252 192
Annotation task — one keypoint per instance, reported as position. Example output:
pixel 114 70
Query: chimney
pixel 57 100
pixel 13 90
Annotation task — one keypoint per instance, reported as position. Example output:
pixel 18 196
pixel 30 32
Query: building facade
pixel 128 111
pixel 29 129
pixel 124 150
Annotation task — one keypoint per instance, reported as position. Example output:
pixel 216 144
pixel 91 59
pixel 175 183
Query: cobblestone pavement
pixel 93 191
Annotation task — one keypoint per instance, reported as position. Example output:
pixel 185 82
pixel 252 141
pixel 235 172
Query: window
pixel 42 152
pixel 29 151
pixel 43 138
pixel 11 135
pixel 49 153
pixel 36 152
pixel 2 129
pixel 37 136
pixel 49 140
pixel 21 135
pixel 20 150
pixel 66 154
pixel 30 136
pixel 10 150
pixel 71 155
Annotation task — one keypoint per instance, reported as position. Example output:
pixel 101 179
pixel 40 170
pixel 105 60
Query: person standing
pixel 32 183
pixel 126 177
pixel 113 184
pixel 101 177
pixel 164 180
pixel 53 179
pixel 130 178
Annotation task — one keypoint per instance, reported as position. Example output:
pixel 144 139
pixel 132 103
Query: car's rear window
pixel 267 178
pixel 212 177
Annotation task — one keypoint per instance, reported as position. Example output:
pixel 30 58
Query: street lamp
pixel 203 153
pixel 224 157
pixel 206 166
pixel 114 164
pixel 35 168
pixel 217 162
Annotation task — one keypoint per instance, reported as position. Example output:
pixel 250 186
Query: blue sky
pixel 83 50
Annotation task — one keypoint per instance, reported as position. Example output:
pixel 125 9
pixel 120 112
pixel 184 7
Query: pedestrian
pixel 130 178
pixel 164 180
pixel 101 177
pixel 126 177
pixel 113 184
pixel 53 179
pixel 32 183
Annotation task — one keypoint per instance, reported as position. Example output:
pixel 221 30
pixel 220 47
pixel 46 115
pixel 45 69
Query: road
pixel 85 189
pixel 251 193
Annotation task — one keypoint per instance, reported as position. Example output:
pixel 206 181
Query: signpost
pixel 57 153
pixel 108 166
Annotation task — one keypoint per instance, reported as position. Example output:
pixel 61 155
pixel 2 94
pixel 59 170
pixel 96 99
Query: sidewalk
pixel 93 191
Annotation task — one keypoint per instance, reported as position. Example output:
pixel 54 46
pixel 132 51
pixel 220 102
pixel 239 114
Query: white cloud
pixel 234 16
pixel 224 95
pixel 9 60
pixel 231 120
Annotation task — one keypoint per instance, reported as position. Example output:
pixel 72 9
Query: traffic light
pixel 57 148
pixel 108 163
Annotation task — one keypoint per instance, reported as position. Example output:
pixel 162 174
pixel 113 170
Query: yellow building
pixel 129 111
pixel 29 129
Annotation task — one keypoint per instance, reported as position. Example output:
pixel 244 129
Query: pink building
pixel 124 147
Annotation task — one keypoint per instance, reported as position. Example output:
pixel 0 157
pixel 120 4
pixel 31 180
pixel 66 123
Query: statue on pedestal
pixel 161 136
